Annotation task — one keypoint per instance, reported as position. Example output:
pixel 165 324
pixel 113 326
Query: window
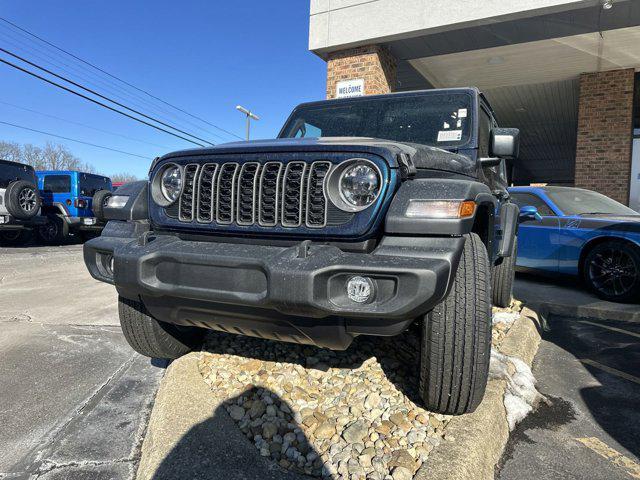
pixel 438 119
pixel 531 200
pixel 308 131
pixel 484 133
pixel 57 184
pixel 576 201
pixel 90 184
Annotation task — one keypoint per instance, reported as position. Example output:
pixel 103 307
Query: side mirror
pixel 505 143
pixel 529 213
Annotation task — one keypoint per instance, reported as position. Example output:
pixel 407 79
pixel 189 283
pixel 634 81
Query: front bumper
pixel 292 293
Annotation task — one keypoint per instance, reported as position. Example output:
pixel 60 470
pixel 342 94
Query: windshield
pixel 574 201
pixel 435 119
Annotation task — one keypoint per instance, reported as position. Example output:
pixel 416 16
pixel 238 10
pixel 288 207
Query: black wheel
pixel 456 338
pixel 22 200
pixel 12 238
pixel 502 279
pixel 54 232
pixel 153 338
pixel 98 203
pixel 612 271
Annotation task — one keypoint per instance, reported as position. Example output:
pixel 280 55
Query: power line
pixel 93 78
pixel 82 125
pixel 6 62
pixel 117 78
pixel 74 140
pixel 93 92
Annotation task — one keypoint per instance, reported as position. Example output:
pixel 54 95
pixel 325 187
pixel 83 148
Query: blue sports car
pixel 579 232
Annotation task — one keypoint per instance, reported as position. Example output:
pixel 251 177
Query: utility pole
pixel 249 115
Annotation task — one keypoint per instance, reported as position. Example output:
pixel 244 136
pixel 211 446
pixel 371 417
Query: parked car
pixel 19 203
pixel 319 240
pixel 72 202
pixel 581 233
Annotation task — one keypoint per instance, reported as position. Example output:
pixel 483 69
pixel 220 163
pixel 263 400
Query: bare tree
pixel 10 151
pixel 52 157
pixel 123 177
pixel 34 156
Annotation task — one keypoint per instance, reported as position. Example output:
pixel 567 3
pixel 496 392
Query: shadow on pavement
pixel 217 448
pixel 613 359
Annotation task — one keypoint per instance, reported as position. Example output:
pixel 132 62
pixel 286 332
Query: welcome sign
pixel 350 88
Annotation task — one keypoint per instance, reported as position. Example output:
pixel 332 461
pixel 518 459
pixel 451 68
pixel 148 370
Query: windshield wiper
pixel 596 213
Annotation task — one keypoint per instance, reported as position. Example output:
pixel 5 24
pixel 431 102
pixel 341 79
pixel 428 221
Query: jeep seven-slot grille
pixel 271 194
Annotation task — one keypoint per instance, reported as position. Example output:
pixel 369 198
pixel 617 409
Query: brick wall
pixel 373 63
pixel 605 122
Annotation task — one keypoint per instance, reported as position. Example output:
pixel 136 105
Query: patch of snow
pixel 505 317
pixel 521 396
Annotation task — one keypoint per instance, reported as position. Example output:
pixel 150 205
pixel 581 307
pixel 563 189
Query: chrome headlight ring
pixel 368 173
pixel 167 184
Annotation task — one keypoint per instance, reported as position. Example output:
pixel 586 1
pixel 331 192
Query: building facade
pixel 563 71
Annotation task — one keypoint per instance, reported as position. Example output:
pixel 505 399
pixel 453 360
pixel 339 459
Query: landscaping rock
pixel 350 414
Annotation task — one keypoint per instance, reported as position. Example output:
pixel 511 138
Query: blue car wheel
pixel 612 271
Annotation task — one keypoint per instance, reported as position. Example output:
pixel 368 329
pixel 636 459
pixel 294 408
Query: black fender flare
pixel 137 206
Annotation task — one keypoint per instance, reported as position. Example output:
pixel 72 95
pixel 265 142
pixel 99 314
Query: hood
pixel 423 157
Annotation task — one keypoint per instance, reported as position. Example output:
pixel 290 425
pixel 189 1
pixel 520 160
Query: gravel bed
pixel 344 415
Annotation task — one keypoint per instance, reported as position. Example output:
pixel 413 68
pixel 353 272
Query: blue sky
pixel 203 56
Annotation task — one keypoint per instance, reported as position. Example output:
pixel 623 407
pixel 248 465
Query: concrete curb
pixel 480 437
pixel 183 400
pixel 622 312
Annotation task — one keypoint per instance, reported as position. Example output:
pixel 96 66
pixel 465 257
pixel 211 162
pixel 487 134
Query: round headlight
pixel 360 185
pixel 171 183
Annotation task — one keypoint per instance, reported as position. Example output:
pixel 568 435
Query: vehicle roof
pixel 333 101
pixel 18 164
pixel 67 172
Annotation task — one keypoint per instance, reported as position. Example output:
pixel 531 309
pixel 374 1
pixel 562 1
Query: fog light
pixel 360 289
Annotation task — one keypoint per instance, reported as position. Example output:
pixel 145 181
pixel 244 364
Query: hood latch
pixel 407 168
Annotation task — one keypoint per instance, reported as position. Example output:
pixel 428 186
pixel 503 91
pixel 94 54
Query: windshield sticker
pixel 462 113
pixel 449 135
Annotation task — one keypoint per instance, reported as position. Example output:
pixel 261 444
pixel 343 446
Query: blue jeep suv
pixel 366 216
pixel 72 202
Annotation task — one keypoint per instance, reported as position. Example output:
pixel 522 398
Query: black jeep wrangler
pixel 364 216
pixel 19 203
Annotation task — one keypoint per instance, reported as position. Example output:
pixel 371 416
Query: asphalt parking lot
pixel 590 372
pixel 75 398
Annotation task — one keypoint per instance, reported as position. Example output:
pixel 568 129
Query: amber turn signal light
pixel 441 209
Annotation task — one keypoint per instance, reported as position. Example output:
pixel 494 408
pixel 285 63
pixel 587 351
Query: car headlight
pixel 354 185
pixel 166 184
pixel 171 183
pixel 360 185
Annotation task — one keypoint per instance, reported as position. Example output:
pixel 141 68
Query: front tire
pixel 502 279
pixel 456 338
pixel 153 338
pixel 612 271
